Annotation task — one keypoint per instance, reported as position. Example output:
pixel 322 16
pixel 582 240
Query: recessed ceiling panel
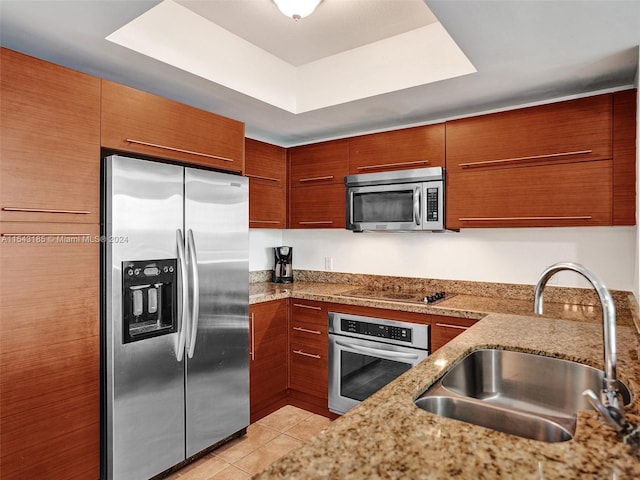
pixel 175 35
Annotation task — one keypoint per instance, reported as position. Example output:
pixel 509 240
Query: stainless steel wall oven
pixel 367 353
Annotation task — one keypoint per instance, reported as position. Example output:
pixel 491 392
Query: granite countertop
pixel 387 436
pixel 459 305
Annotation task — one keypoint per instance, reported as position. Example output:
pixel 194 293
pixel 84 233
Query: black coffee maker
pixel 282 267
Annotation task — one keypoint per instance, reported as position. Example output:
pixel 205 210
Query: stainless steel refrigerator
pixel 175 314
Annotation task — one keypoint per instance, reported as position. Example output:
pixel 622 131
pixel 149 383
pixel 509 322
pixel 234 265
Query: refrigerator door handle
pixel 184 298
pixel 195 306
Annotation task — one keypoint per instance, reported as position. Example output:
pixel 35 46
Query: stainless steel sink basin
pixel 528 395
pixel 502 419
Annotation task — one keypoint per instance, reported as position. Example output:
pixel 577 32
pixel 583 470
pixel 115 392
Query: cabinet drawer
pixel 310 312
pixel 50 148
pixel 320 206
pixel 319 163
pixel 578 194
pixel 445 329
pixel 308 369
pixel 407 148
pixel 308 333
pixel 571 131
pixel 136 121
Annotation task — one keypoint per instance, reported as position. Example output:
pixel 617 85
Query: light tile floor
pixel 265 442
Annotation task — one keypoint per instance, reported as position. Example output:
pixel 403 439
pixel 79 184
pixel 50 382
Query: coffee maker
pixel 282 267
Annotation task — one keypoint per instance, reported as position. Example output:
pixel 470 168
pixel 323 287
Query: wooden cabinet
pixel 268 367
pixel 266 167
pixel 550 165
pixel 50 148
pixel 139 122
pixel 317 194
pixel 50 361
pixel 308 352
pixel 444 329
pixel 416 147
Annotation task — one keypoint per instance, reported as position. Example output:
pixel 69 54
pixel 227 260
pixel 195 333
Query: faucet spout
pixel 610 395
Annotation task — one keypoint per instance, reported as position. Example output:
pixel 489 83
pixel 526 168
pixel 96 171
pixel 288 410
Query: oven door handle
pixel 378 352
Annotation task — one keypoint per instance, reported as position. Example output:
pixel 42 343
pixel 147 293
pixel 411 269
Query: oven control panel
pixel 402 334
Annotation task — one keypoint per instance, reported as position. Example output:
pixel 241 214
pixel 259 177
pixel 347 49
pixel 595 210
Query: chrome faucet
pixel 609 404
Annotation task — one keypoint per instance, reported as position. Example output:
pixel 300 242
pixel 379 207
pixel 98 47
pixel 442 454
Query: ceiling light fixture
pixel 297 9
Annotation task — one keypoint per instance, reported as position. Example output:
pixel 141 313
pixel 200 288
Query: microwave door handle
pixel 350 207
pixel 377 352
pixel 416 205
pixel 184 296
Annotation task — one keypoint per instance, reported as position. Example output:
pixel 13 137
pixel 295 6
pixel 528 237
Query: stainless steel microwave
pixel 403 200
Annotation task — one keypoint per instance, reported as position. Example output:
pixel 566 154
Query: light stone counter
pixel 387 436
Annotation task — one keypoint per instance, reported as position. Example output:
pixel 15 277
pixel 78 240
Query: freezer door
pixel 217 382
pixel 143 385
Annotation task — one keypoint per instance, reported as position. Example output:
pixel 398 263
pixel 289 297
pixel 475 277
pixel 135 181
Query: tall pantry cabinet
pixel 49 270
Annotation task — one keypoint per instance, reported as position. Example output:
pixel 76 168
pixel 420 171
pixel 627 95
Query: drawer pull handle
pixel 181 150
pixel 316 179
pixel 448 325
pixel 45 210
pixel 323 222
pixel 493 219
pixel 260 177
pixel 300 352
pixel 401 164
pixel 523 159
pixel 306 330
pixel 306 306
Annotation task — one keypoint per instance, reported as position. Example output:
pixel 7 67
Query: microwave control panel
pixel 432 208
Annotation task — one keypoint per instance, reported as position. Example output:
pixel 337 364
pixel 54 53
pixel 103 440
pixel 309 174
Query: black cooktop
pixel 404 296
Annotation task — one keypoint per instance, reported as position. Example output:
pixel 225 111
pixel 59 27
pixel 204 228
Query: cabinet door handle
pixel 306 330
pixel 253 338
pixel 448 325
pixel 260 177
pixel 181 150
pixel 322 222
pixel 316 179
pixel 494 219
pixel 306 306
pixel 400 164
pixel 45 210
pixel 264 221
pixel 300 352
pixel 523 159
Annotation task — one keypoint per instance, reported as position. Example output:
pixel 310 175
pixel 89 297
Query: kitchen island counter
pixel 387 436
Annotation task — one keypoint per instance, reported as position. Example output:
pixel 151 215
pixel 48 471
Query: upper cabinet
pixel 317 171
pixel 563 164
pixel 50 148
pixel 139 122
pixel 417 147
pixel 266 167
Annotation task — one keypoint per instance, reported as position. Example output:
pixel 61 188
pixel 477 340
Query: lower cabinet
pixel 308 352
pixel 445 329
pixel 50 360
pixel 268 363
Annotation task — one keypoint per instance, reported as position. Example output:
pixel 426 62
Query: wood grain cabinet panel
pixel 570 131
pixel 50 355
pixel 318 206
pixel 416 147
pixel 444 329
pixel 50 148
pixel 319 163
pixel 266 167
pixel 268 367
pixel 624 157
pixel 139 122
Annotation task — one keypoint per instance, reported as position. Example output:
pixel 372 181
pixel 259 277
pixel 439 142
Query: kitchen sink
pixel 523 394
